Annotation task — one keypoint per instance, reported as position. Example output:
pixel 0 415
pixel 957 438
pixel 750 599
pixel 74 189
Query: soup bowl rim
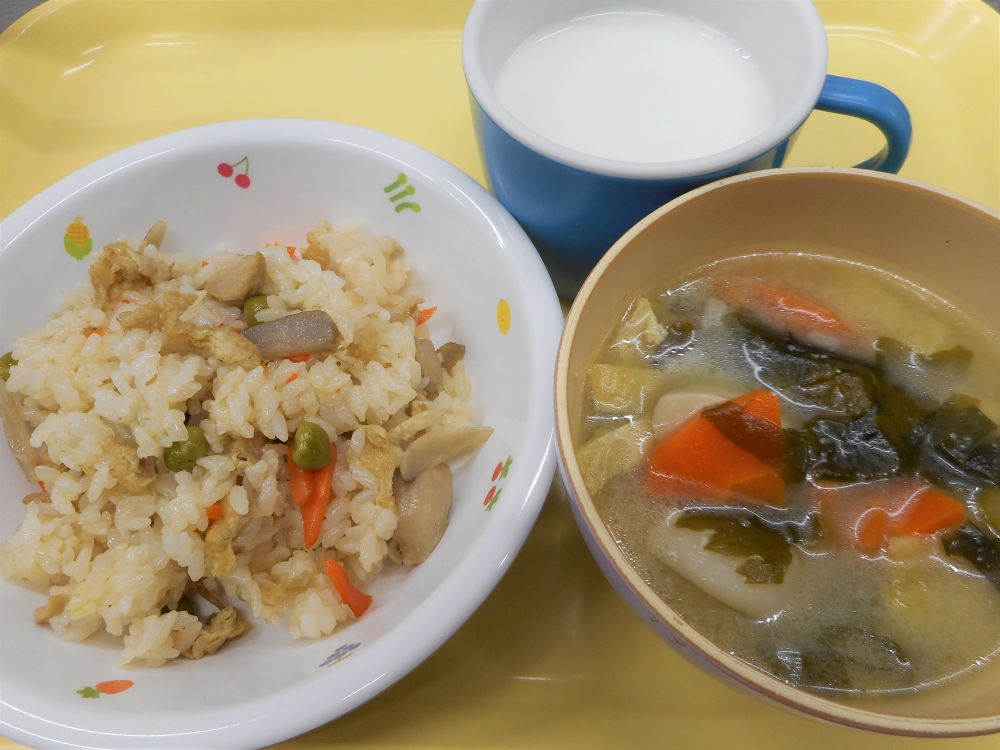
pixel 686 639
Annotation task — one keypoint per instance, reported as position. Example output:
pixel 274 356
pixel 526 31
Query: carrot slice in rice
pixel 314 511
pixel 301 482
pixel 351 595
pixel 426 314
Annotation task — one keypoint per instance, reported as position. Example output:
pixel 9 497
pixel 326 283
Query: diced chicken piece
pixel 439 446
pixel 423 506
pixel 235 278
pixel 118 269
pixel 225 625
pixel 451 354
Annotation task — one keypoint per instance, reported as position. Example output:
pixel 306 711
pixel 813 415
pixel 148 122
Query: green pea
pixel 182 455
pixel 252 306
pixel 312 447
pixel 989 501
pixel 6 362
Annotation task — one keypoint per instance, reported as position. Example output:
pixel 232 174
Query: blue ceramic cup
pixel 575 205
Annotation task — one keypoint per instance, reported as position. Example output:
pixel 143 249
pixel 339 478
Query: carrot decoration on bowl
pixel 108 687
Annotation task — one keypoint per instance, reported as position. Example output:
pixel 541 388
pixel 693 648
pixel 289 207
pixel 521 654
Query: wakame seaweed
pixel 762 535
pixel 847 658
pixel 979 548
pixel 806 375
pixel 871 424
pixel 842 450
pixel 958 448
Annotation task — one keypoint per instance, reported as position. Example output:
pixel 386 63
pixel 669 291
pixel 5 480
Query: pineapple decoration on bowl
pixel 77 239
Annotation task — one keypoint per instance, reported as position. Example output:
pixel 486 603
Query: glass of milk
pixel 591 114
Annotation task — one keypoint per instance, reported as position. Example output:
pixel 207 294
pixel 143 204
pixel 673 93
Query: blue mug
pixel 575 205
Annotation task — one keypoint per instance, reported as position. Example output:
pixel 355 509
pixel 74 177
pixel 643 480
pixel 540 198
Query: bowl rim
pixel 296 709
pixel 691 643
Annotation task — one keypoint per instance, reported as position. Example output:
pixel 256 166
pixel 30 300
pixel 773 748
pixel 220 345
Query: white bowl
pixel 471 259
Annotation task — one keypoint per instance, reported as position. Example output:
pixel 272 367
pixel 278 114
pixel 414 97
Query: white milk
pixel 644 86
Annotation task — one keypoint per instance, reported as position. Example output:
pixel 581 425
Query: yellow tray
pixel 552 659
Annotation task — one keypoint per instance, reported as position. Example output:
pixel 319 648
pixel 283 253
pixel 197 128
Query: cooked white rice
pixel 120 556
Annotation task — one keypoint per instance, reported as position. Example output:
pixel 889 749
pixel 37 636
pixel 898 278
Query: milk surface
pixel 643 86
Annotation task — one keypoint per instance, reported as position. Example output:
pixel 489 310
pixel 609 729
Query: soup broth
pixel 800 456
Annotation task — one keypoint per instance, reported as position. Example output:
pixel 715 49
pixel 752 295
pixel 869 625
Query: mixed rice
pixel 122 543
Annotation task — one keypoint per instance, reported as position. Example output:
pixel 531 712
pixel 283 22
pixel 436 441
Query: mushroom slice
pixel 17 433
pixel 155 234
pixel 451 354
pixel 428 360
pixel 423 507
pixel 235 277
pixel 439 446
pixel 301 333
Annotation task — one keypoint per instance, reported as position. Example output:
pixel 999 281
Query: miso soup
pixel 801 456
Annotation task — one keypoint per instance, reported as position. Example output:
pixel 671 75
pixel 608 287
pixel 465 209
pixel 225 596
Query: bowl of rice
pixel 277 399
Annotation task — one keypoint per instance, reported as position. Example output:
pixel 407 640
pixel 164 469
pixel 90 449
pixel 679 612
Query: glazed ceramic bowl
pixel 937 240
pixel 470 259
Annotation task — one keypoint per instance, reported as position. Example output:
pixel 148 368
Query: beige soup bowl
pixel 944 243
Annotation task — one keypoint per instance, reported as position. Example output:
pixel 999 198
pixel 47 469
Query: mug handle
pixel 877 105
